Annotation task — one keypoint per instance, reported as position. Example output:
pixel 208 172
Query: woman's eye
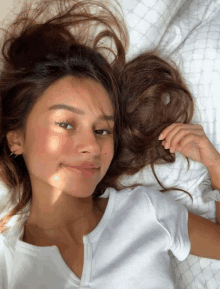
pixel 99 132
pixel 108 131
pixel 63 124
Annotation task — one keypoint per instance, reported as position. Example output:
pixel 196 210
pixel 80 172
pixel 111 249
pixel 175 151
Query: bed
pixel 188 32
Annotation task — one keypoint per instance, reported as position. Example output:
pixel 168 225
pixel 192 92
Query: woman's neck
pixel 72 232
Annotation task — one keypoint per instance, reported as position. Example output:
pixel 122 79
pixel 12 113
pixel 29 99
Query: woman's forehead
pixel 81 94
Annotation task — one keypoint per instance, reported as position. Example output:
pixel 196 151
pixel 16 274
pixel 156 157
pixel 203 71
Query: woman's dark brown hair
pixel 154 96
pixel 39 49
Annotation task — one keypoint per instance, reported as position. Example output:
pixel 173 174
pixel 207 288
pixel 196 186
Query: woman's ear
pixel 15 142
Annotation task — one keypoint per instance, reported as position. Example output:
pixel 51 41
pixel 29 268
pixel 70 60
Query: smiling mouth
pixel 86 172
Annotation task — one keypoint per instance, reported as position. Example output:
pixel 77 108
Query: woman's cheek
pixel 56 144
pixel 108 152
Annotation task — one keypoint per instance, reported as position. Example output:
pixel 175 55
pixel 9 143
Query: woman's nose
pixel 88 142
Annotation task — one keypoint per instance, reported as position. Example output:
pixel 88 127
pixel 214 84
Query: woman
pixel 60 143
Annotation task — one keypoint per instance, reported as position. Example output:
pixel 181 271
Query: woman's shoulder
pixel 152 197
pixel 139 193
pixel 140 189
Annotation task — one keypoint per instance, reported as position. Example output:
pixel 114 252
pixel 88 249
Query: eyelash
pixel 67 123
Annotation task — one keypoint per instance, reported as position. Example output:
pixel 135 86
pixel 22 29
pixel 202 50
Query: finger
pixel 168 129
pixel 178 132
pixel 190 138
pixel 181 135
pixel 169 135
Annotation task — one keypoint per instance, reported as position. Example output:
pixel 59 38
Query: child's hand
pixel 191 141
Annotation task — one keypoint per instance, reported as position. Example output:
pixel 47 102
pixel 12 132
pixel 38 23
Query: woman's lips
pixel 86 172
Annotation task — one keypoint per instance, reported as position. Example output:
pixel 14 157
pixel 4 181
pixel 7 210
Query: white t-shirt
pixel 128 249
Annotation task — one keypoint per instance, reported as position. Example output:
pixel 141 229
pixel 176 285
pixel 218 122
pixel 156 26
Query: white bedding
pixel 191 36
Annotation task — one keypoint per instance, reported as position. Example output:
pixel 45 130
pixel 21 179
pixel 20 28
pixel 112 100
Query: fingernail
pixel 160 137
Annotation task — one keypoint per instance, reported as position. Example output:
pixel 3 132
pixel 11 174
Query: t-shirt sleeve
pixel 173 217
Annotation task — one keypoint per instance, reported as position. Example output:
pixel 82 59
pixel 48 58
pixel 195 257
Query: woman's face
pixel 51 146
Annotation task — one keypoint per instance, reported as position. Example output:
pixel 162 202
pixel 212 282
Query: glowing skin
pixel 59 194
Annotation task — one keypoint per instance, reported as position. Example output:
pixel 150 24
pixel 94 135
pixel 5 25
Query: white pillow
pixel 185 21
pixel 147 22
pixel 193 41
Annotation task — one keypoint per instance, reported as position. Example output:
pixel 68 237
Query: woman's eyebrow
pixel 78 111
